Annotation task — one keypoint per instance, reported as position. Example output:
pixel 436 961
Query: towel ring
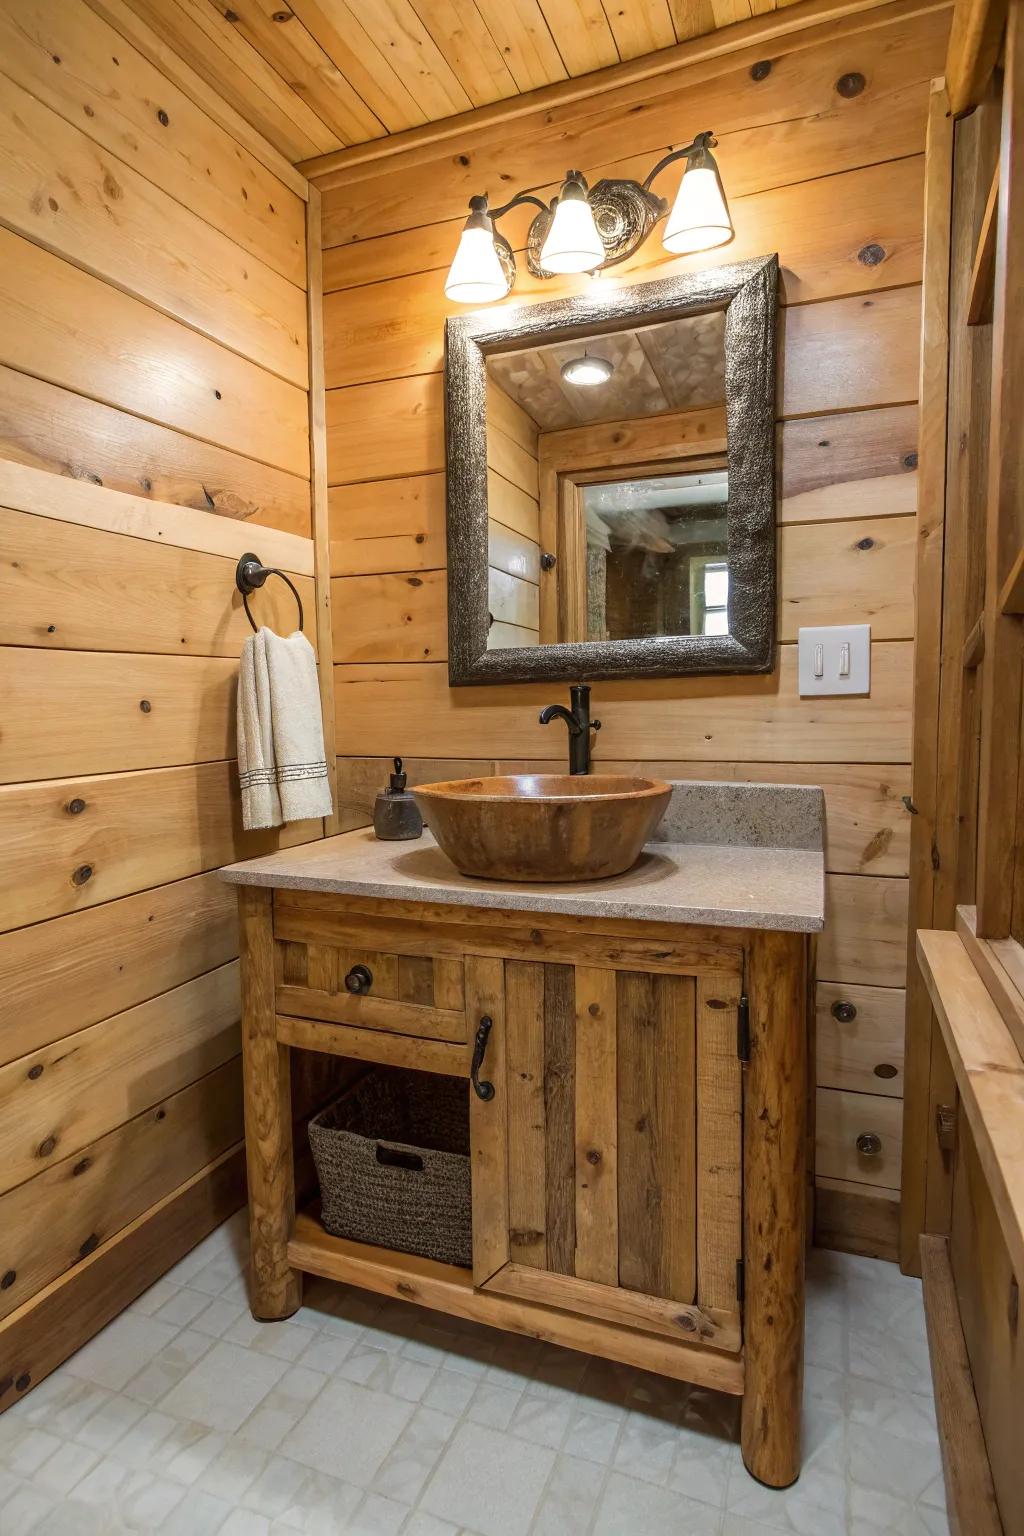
pixel 251 573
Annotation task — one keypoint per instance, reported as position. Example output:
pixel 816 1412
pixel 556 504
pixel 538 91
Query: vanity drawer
pixel 859 1137
pixel 420 995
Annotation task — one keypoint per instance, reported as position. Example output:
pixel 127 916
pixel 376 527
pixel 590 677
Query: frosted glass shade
pixel 476 276
pixel 572 243
pixel 699 217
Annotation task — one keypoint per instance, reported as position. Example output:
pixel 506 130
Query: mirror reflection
pixel 608 486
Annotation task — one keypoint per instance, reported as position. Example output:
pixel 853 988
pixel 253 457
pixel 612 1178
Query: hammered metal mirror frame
pixel 747 291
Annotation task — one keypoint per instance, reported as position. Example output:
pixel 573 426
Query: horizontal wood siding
pixel 806 177
pixel 154 425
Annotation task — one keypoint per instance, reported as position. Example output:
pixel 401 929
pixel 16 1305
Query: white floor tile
pixel 224 1387
pixel 364 1417
pixel 348 1432
pixel 489 1481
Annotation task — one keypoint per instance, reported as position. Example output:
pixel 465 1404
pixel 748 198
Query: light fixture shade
pixel 572 243
pixel 476 275
pixel 587 370
pixel 700 216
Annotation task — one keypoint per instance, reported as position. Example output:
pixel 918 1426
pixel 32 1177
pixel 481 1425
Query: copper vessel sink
pixel 544 827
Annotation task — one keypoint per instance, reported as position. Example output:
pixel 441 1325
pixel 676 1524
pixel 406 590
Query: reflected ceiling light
pixel 587 370
pixel 587 229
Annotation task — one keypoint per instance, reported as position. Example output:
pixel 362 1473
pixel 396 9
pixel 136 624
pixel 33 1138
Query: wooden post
pixel 775 1173
pixel 275 1289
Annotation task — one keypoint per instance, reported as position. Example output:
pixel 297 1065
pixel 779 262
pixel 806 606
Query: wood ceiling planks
pixel 317 75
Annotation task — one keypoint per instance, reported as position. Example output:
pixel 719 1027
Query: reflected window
pixel 657 556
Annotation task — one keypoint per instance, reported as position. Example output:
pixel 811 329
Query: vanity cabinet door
pixel 607 1162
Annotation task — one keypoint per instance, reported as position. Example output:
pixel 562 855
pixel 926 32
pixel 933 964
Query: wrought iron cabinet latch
pixel 483 1090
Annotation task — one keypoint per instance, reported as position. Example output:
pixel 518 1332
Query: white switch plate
pixel 823 649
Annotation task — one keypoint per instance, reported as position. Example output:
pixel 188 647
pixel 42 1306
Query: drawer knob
pixel 359 980
pixel 868 1144
pixel 844 1012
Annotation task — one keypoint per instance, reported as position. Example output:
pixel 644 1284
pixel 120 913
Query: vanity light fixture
pixel 588 369
pixel 585 229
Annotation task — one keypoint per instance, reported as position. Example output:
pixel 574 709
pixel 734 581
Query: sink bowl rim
pixel 628 787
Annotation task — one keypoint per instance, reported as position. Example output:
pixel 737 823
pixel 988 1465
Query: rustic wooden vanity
pixel 639 1170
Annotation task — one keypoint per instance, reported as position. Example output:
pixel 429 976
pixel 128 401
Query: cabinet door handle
pixel 483 1091
pixel 844 1012
pixel 868 1144
pixel 359 980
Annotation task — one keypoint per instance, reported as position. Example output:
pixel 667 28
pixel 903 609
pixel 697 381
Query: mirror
pixel 610 463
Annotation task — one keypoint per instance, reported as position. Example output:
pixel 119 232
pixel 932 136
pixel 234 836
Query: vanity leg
pixel 275 1289
pixel 775 1172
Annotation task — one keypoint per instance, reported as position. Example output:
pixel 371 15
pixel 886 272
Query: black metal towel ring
pixel 251 573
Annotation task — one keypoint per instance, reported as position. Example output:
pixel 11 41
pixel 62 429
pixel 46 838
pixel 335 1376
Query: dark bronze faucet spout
pixel 579 725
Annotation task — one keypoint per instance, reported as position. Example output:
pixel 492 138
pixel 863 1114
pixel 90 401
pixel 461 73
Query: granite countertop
pixel 765 867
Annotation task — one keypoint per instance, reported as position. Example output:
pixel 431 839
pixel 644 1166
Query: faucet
pixel 580 725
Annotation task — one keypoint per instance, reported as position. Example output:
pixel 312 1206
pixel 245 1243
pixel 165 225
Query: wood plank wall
pixel 822 153
pixel 154 424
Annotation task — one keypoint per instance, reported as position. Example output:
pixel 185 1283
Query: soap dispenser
pixel 395 813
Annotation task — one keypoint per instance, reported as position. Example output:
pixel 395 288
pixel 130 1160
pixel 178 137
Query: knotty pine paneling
pixel 153 276
pixel 65 433
pixel 834 185
pixel 817 221
pixel 785 128
pixel 61 976
pixel 409 708
pixel 163 252
pixel 65 56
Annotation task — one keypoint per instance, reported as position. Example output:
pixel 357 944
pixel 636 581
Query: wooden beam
pixel 1000 964
pixel 983 272
pixel 974 40
pixel 999 822
pixel 725 48
pixel 927 647
pixel 318 493
pixel 970 1496
pixel 989 1074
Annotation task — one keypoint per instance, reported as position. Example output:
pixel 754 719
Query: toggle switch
pixel 834 659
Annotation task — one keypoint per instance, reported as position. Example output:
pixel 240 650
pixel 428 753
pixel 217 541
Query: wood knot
pixel 594 1009
pixel 865 543
pixel 686 1323
pixel 46 1147
pixel 871 255
pixel 162 118
pixel 75 807
pixel 91 1242
pixel 593 1157
pixel 851 84
pixel 909 461
pixel 82 874
pixel 8 1280
pixel 36 1072
pixel 761 70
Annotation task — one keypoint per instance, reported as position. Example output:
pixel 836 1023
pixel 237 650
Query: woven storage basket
pixel 392 1157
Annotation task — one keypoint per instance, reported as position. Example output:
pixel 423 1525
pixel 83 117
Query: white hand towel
pixel 257 768
pixel 281 760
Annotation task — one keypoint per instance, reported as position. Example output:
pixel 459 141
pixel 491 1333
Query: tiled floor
pixel 362 1416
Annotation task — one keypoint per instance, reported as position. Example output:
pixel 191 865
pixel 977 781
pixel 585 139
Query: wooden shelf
pixel 989 1072
pixel 446 1288
pixel 981 293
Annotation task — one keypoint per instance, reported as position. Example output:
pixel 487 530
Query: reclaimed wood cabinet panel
pixel 607 1163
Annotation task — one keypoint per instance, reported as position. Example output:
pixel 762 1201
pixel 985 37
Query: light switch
pixel 835 659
